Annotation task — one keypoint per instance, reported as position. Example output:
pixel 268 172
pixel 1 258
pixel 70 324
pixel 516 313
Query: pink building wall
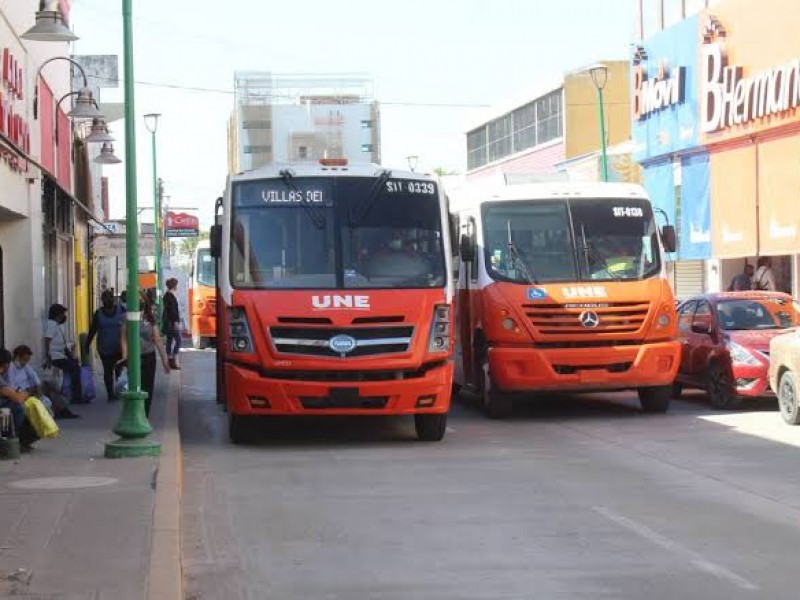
pixel 541 159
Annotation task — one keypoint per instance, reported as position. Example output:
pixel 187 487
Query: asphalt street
pixel 577 497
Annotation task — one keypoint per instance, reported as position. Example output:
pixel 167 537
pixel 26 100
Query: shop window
pixel 476 148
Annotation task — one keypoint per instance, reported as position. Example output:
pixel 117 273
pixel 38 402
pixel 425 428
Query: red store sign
pixel 182 225
pixel 13 125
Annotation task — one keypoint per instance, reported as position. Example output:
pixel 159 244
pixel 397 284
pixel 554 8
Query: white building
pixel 290 118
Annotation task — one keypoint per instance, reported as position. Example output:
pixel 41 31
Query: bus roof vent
pixel 542 177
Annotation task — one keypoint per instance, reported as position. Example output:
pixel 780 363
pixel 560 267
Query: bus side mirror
pixel 453 223
pixel 467 249
pixel 669 238
pixel 215 240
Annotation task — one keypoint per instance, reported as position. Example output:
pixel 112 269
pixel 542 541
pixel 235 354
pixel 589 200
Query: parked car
pixel 725 342
pixel 784 374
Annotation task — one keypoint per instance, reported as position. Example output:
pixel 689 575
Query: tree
pixel 187 246
pixel 442 171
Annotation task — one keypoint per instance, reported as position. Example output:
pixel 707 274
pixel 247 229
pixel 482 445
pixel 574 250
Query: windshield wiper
pixel 373 194
pixel 589 252
pixel 518 260
pixel 317 218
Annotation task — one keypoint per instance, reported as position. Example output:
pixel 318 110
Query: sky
pixel 439 66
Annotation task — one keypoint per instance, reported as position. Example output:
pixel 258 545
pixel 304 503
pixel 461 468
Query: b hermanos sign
pixel 666 89
pixel 728 98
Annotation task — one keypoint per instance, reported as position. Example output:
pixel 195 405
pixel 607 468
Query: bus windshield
pixel 335 233
pixel 571 240
pixel 204 269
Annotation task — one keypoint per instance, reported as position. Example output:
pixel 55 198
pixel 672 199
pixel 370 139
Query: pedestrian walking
pixel 743 281
pixel 59 351
pixel 149 344
pixel 764 277
pixel 107 327
pixel 171 322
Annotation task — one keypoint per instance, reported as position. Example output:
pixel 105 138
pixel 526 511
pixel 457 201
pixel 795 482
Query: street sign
pixel 109 246
pixel 182 225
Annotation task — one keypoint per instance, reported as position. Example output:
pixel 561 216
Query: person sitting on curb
pixel 23 378
pixel 15 401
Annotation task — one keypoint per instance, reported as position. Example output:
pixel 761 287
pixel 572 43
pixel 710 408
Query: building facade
pixel 717 130
pixel 45 191
pixel 288 118
pixel 555 128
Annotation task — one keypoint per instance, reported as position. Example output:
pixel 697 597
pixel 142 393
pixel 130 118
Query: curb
pixel 165 573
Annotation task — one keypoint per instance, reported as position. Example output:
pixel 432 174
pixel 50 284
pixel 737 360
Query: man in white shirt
pixel 764 277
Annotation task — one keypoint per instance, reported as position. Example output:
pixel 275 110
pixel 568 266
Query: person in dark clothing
pixel 14 400
pixel 171 322
pixel 743 281
pixel 150 343
pixel 107 326
pixel 123 300
pixel 58 350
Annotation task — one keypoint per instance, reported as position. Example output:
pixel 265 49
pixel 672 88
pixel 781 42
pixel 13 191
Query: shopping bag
pixel 87 384
pixel 40 419
pixel 122 382
pixel 66 384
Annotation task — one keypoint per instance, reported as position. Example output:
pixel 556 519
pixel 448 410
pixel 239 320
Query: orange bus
pixel 335 294
pixel 562 286
pixel 203 298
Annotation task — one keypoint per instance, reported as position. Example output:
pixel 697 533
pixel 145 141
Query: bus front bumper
pixel 204 326
pixel 252 393
pixel 515 369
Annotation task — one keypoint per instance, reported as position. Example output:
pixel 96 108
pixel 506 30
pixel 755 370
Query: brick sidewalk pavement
pixel 88 533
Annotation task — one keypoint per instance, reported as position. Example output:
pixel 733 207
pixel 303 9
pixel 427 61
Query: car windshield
pixel 749 314
pixel 575 240
pixel 205 268
pixel 348 232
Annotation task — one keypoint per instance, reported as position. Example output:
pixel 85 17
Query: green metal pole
pixel 604 155
pixel 156 226
pixel 132 426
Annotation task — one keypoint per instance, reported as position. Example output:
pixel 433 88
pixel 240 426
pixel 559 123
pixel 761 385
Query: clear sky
pixel 420 52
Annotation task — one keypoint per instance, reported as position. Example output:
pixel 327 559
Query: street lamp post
pixel 599 74
pixel 132 426
pixel 151 122
pixel 413 162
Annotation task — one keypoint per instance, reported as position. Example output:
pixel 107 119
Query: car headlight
pixel 741 355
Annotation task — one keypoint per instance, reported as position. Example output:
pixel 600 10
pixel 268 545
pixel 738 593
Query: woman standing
pixel 107 326
pixel 171 322
pixel 150 343
pixel 58 351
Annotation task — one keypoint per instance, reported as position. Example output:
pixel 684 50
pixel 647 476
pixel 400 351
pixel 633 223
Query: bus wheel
pixel 240 430
pixel 199 343
pixel 430 428
pixel 496 404
pixel 655 399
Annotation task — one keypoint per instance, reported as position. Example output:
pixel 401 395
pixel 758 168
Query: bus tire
pixel 430 428
pixel 496 404
pixel 655 399
pixel 240 429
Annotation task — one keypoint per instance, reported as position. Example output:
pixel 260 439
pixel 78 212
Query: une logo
pixel 537 294
pixel 584 292
pixel 342 344
pixel 325 302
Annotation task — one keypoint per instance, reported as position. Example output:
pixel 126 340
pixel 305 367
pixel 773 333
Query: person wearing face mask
pixel 58 351
pixel 23 378
pixel 107 327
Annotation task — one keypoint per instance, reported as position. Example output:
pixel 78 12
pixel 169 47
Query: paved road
pixel 577 498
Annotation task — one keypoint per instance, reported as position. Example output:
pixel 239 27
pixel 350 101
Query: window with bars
pixel 535 123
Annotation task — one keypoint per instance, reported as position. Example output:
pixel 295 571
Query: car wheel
pixel 496 404
pixel 655 399
pixel 430 428
pixel 720 388
pixel 677 390
pixel 787 399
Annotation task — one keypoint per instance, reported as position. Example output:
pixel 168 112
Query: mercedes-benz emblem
pixel 589 319
pixel 342 344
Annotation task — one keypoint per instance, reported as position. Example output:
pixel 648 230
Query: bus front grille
pixel 551 320
pixel 316 341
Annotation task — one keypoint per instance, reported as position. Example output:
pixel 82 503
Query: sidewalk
pixel 84 530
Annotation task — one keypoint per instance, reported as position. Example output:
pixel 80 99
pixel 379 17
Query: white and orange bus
pixel 203 298
pixel 335 293
pixel 562 287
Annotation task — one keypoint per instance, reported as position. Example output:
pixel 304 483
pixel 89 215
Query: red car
pixel 725 343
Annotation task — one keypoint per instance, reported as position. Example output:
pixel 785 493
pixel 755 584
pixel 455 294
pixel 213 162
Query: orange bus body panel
pixel 292 384
pixel 203 307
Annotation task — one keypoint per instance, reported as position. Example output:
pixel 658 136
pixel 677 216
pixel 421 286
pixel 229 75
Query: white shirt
pixel 764 279
pixel 58 340
pixel 23 378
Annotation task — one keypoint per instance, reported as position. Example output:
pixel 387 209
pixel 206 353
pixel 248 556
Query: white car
pixel 784 374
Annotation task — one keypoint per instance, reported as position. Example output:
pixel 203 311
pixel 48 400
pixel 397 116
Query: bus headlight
pixel 239 330
pixel 439 338
pixel 663 320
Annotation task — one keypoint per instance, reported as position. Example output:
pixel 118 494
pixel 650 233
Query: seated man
pixel 15 400
pixel 23 378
